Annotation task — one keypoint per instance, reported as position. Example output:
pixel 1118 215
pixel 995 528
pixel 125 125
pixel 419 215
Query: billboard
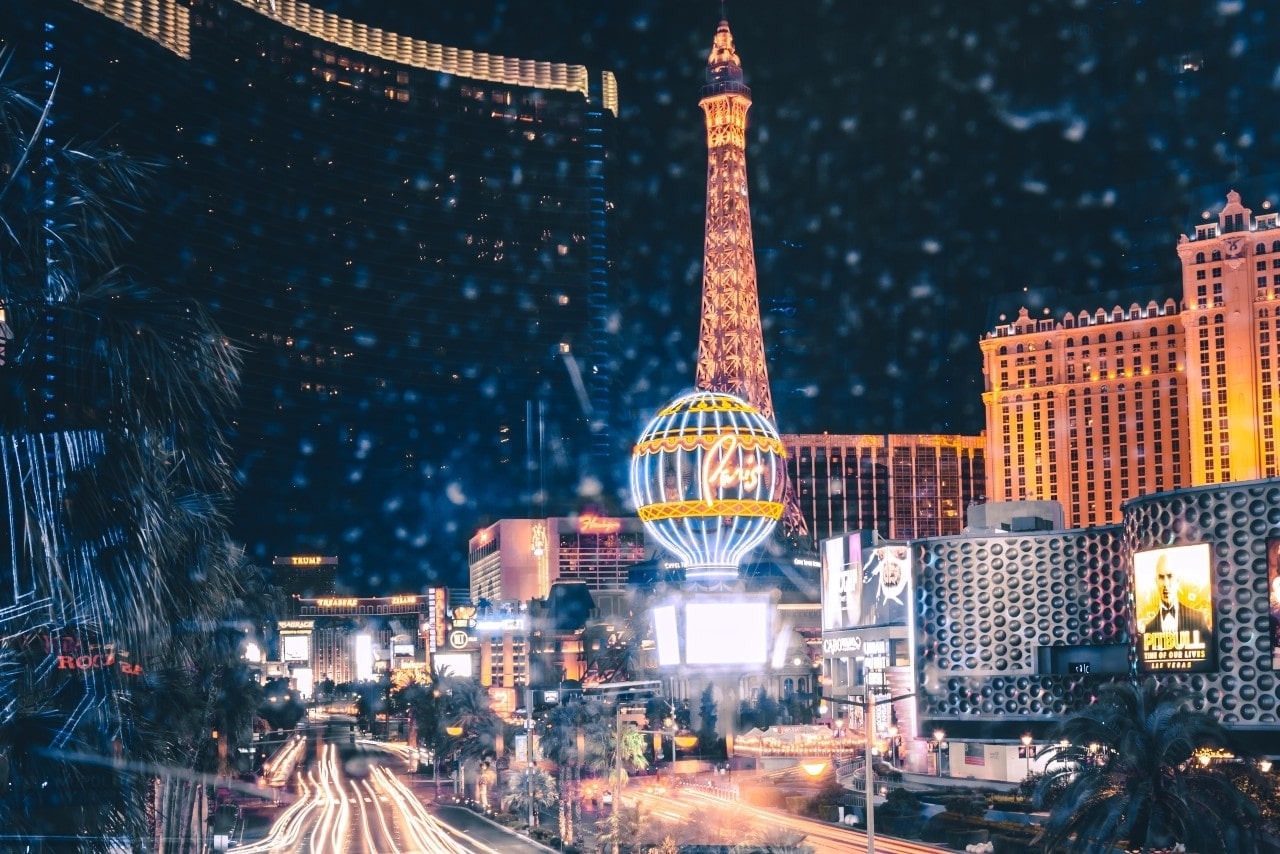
pixel 1174 600
pixel 864 586
pixel 886 586
pixel 1273 586
pixel 295 647
pixel 727 633
pixel 717 629
pixel 842 581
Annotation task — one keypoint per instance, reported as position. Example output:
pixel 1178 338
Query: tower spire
pixel 731 343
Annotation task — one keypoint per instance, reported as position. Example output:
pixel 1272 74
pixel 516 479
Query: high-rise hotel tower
pixel 407 238
pixel 1093 407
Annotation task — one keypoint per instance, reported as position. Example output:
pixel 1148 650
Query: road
pixel 691 807
pixel 349 798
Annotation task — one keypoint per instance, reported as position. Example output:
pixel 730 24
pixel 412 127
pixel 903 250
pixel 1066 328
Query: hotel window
pixel 1262 265
pixel 1199 275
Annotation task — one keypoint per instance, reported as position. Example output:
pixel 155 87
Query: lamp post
pixel 939 745
pixel 1026 750
pixel 869 727
pixel 459 785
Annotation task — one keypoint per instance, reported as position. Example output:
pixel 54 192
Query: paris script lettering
pixel 721 469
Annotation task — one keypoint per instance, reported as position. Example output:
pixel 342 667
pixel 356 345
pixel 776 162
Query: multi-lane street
pixel 693 808
pixel 348 798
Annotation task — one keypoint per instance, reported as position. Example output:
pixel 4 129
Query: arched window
pixel 1071 342
pixel 1020 348
pixel 1119 336
pixel 1203 321
pixel 1199 257
pixel 1102 339
pixel 1004 351
pixel 1172 329
pixel 1217 255
pixel 1084 341
pixel 1154 332
pixel 1275 246
pixel 1260 249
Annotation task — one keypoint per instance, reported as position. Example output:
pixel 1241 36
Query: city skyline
pixel 904 167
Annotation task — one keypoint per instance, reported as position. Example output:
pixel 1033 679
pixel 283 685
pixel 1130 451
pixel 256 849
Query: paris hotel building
pixel 1098 405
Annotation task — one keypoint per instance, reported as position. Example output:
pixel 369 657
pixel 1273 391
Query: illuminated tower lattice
pixel 731 344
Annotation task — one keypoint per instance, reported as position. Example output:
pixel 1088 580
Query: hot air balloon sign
pixel 707 477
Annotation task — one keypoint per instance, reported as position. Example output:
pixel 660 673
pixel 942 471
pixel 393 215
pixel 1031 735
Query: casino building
pixel 1009 632
pixel 407 239
pixel 519 559
pixel 353 639
pixel 1093 406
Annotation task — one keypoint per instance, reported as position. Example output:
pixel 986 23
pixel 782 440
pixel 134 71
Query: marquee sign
pixel 707 476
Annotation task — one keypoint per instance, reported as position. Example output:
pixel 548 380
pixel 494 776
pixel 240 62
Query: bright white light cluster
pixel 707 478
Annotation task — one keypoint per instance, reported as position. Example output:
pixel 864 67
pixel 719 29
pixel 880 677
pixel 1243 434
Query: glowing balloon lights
pixel 707 477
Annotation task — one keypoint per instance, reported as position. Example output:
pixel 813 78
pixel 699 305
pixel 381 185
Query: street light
pixel 894 739
pixel 939 745
pixel 1026 750
pixel 869 713
pixel 459 783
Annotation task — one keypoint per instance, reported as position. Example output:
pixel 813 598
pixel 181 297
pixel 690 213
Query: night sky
pixel 915 170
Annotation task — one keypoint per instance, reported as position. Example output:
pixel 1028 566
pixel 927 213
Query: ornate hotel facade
pixel 1095 407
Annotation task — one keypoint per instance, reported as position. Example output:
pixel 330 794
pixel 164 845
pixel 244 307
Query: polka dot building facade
pixel 1012 632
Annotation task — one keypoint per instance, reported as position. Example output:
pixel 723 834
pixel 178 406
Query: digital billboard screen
pixel 886 586
pixel 296 647
pixel 842 582
pixel 864 586
pixel 1173 595
pixel 726 633
pixel 1273 588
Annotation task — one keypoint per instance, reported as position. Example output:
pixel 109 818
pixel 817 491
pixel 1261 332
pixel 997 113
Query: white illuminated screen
pixel 296 647
pixel 453 663
pixel 665 636
pixel 364 658
pixel 726 633
pixel 304 679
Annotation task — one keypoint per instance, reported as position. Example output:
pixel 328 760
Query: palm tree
pixel 1128 770
pixel 576 736
pixel 529 791
pixel 114 401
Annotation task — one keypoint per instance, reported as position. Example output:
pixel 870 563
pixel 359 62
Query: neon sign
pixel 707 476
pixel 337 603
pixel 722 470
pixel 598 525
pixel 404 600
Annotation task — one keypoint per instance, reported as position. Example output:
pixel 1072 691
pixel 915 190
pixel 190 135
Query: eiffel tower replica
pixel 731 344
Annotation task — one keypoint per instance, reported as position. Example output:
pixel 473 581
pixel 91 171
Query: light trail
pixel 334 814
pixel 692 806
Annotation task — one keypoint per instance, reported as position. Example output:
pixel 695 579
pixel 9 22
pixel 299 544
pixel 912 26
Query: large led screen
pixel 864 586
pixel 1273 586
pixel 296 647
pixel 726 633
pixel 886 586
pixel 1174 600
pixel 456 664
pixel 666 636
pixel 842 582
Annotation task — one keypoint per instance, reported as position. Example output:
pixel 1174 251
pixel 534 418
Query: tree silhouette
pixel 115 399
pixel 1129 772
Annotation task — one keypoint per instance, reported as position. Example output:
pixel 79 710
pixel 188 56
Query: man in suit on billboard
pixel 1174 616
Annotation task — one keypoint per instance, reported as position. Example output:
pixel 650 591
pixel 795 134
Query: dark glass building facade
pixel 409 241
